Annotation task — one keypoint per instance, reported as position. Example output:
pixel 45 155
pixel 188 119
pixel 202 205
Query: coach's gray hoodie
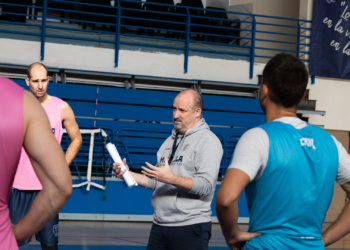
pixel 198 156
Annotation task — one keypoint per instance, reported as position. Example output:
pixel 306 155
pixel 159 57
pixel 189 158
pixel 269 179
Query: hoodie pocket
pixel 188 203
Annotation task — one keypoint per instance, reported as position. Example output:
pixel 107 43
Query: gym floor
pixel 89 235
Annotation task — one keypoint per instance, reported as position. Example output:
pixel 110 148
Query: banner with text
pixel 330 39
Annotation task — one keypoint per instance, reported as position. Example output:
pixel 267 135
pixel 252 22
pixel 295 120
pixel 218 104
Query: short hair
pixel 29 69
pixel 286 78
pixel 197 98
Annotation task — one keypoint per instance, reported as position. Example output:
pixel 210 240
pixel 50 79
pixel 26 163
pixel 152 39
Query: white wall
pixel 130 62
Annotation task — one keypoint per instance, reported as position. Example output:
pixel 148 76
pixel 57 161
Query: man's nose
pixel 40 85
pixel 176 114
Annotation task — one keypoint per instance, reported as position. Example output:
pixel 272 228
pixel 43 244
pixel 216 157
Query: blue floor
pixel 72 247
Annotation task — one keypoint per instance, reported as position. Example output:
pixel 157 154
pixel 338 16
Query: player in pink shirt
pixel 26 185
pixel 24 123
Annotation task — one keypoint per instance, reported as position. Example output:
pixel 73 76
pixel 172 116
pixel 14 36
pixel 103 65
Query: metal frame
pixel 92 133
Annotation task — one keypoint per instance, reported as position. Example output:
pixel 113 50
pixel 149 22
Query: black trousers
pixel 192 237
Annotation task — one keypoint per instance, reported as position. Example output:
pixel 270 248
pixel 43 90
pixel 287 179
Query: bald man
pixel 184 179
pixel 26 185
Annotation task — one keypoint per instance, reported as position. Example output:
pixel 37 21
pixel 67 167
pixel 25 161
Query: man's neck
pixel 44 99
pixel 274 112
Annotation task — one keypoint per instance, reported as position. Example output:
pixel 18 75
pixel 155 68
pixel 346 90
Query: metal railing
pixel 252 37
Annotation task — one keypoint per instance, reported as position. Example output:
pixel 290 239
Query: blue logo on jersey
pixel 178 159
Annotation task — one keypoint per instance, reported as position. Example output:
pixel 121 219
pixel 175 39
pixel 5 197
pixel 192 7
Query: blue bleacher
pixel 139 121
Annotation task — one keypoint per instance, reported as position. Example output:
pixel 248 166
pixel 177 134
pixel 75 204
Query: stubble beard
pixel 37 95
pixel 179 126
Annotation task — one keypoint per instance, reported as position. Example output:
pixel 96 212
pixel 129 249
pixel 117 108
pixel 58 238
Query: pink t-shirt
pixel 11 140
pixel 26 178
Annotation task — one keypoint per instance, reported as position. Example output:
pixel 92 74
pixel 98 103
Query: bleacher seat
pixel 127 15
pixel 101 15
pixel 107 14
pixel 160 16
pixel 56 5
pixel 198 11
pixel 141 144
pixel 224 31
pixel 138 121
pixel 16 10
pixel 181 19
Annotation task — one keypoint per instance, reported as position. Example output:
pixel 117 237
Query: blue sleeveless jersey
pixel 288 203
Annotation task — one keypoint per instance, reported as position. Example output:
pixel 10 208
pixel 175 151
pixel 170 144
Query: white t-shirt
pixel 252 152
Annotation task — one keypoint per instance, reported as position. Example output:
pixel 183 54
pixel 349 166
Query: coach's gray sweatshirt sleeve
pixel 207 163
pixel 151 183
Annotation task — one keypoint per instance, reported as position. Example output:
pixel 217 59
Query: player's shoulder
pixel 208 136
pixel 56 99
pixel 30 100
pixel 339 145
pixel 66 111
pixel 255 134
pixel 65 106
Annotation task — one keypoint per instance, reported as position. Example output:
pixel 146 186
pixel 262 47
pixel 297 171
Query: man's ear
pixel 302 98
pixel 264 92
pixel 198 112
pixel 265 89
pixel 27 81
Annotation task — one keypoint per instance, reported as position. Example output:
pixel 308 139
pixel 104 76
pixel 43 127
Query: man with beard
pixel 184 179
pixel 26 185
pixel 288 168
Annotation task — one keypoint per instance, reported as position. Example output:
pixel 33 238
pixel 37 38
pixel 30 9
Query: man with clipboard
pixel 184 179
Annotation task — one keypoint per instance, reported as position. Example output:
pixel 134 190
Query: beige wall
pixel 332 96
pixel 283 8
pixel 339 196
pixel 280 8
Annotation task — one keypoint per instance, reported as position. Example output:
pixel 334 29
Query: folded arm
pixel 341 226
pixel 48 161
pixel 227 207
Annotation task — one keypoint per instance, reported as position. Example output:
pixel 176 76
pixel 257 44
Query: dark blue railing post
pixel 313 79
pixel 252 52
pixel 298 46
pixel 43 30
pixel 187 42
pixel 117 36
